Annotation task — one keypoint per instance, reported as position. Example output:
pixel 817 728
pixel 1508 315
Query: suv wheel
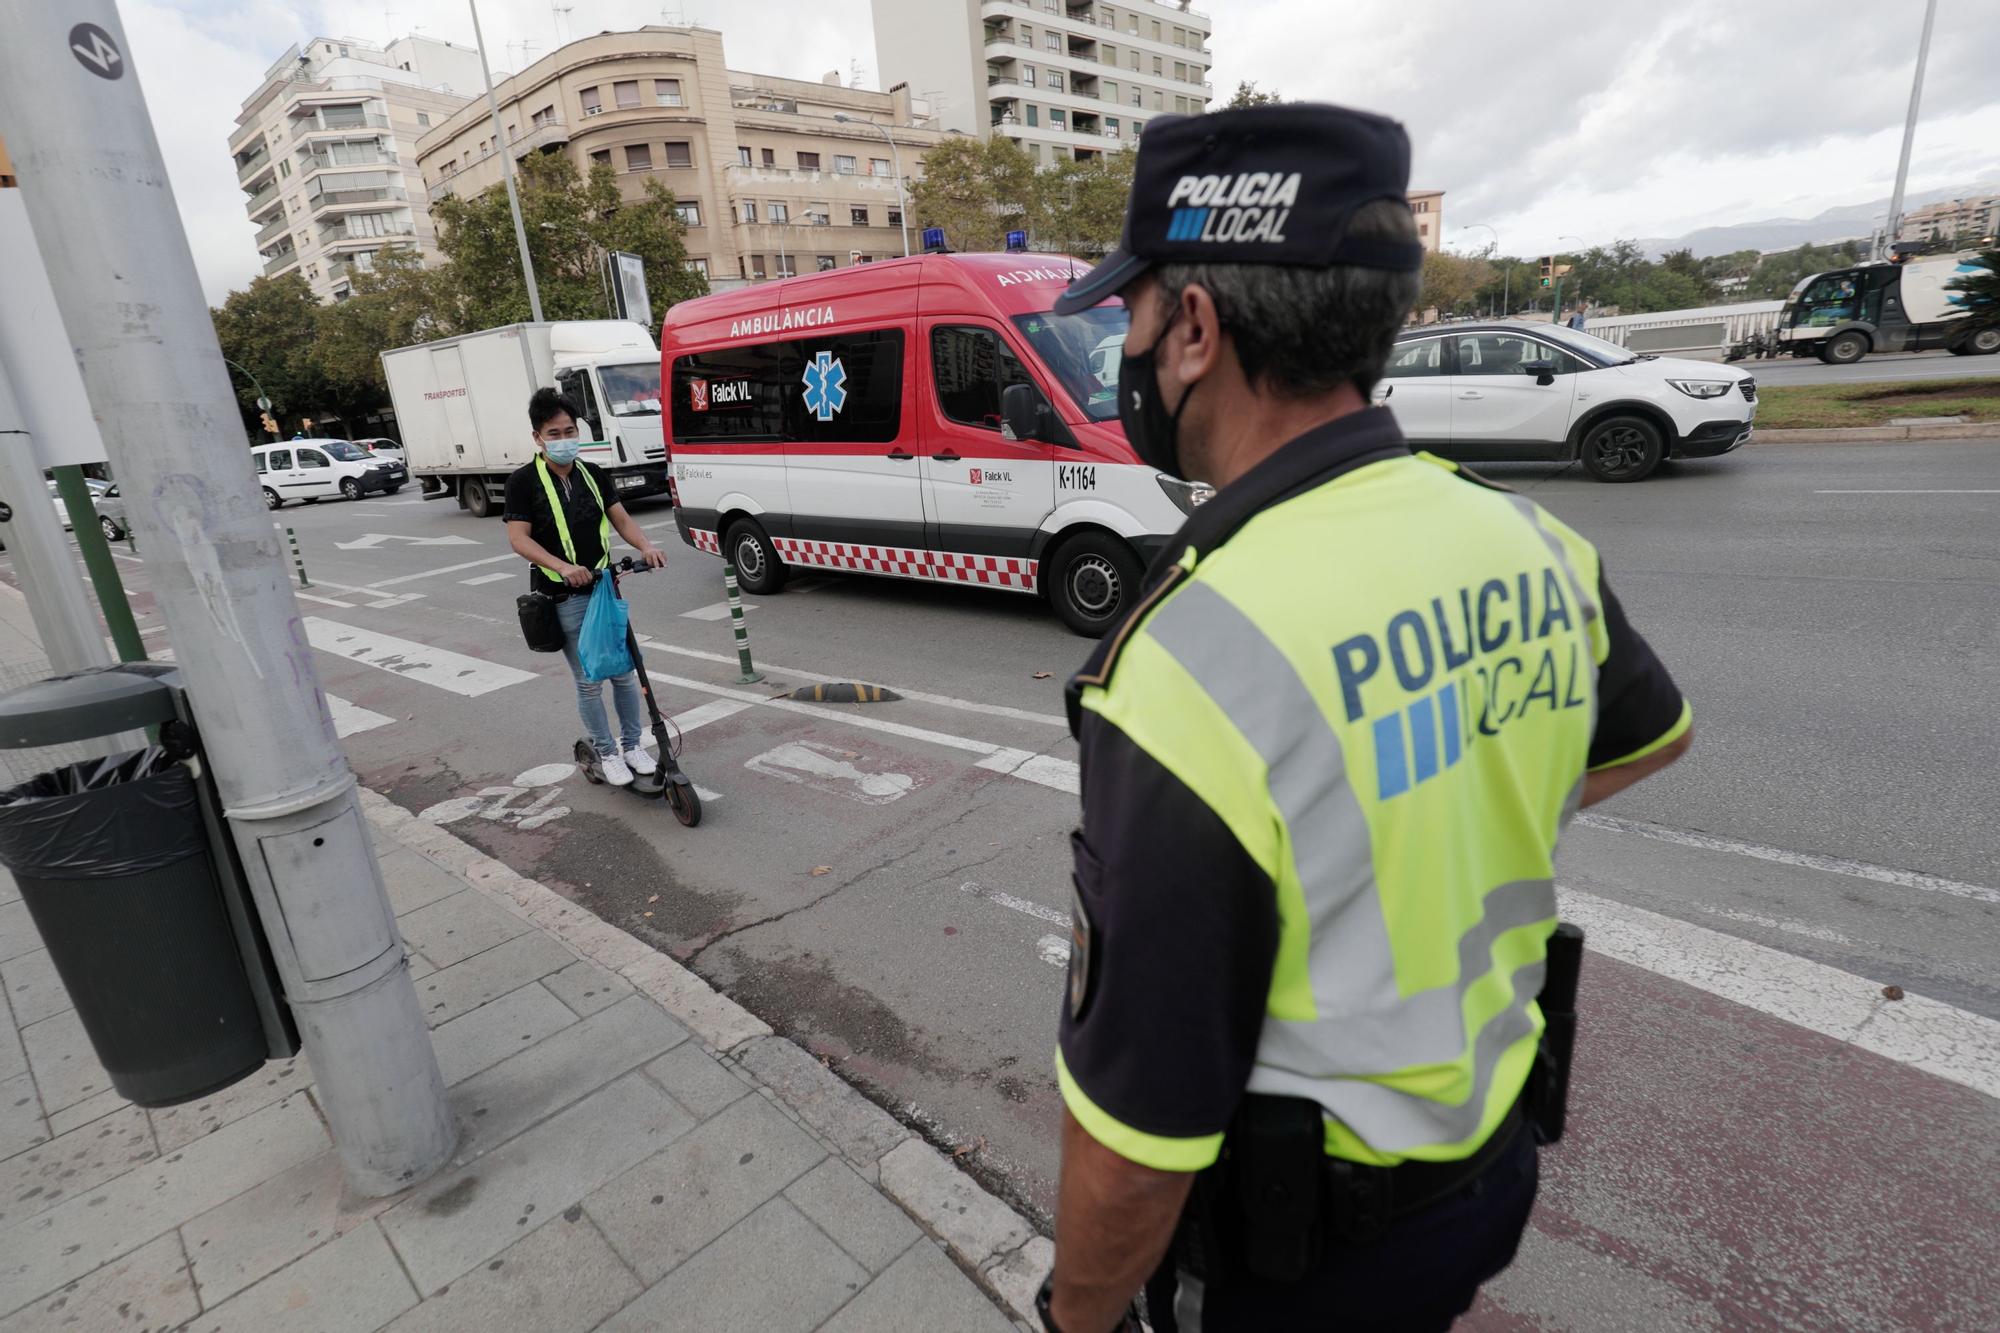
pixel 351 488
pixel 1844 350
pixel 1093 582
pixel 1622 449
pixel 758 569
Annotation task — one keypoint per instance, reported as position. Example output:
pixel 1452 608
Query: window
pixel 1135 62
pixel 1034 115
pixel 1110 90
pixel 639 157
pixel 786 266
pixel 1055 81
pixel 1423 358
pixel 1159 66
pixel 742 155
pixel 770 157
pixel 1028 75
pixel 1505 353
pixel 698 265
pixel 1027 35
pixel 1138 96
pixel 971 366
pixel 1058 118
pixel 1180 36
pixel 756 266
pixel 689 212
pixel 680 155
pixel 667 92
pixel 1111 127
pixel 1180 70
pixel 281 459
pixel 778 212
pixel 1423 229
pixel 312 458
pixel 808 161
pixel 626 92
pixel 423 120
pixel 1110 55
pixel 1159 100
pixel 284 169
pixel 895 217
pixel 601 158
pixel 749 210
pixel 1181 105
pixel 858 216
pixel 545 116
pixel 845 165
pixel 826 263
pixel 879 166
pixel 591 106
pixel 819 215
pixel 1054 41
pixel 1156 30
pixel 757 394
pixel 575 385
pixel 1138 128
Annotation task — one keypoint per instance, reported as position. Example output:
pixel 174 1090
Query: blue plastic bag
pixel 601 647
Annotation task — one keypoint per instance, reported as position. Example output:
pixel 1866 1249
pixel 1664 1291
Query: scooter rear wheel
pixel 686 804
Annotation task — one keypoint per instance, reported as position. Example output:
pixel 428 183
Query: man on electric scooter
pixel 560 504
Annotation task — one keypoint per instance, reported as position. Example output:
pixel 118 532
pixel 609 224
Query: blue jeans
pixel 590 694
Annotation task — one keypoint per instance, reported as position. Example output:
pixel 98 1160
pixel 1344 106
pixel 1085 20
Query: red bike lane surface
pixel 1726 1170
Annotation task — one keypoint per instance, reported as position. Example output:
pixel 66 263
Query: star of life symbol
pixel 826 386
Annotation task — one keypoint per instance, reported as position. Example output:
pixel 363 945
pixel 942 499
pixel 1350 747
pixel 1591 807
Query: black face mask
pixel 1152 431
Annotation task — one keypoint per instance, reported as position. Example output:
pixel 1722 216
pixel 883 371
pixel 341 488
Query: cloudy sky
pixel 1607 121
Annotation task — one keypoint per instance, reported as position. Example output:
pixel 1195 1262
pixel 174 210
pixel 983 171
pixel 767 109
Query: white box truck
pixel 462 405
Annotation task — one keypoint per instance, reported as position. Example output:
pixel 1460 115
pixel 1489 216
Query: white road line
pixel 1013 904
pixel 1786 924
pixel 448 569
pixel 1053 950
pixel 349 718
pixel 1922 1033
pixel 130 559
pixel 1833 865
pixel 655 527
pixel 323 601
pixel 1046 769
pixel 942 700
pixel 414 661
pixel 477 580
pixel 703 714
pixel 719 611
pixel 1955 491
pixel 153 629
pixel 397 600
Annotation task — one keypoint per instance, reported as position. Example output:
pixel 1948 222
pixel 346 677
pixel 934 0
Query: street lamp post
pixel 896 163
pixel 506 168
pixel 263 399
pixel 1894 225
pixel 1506 273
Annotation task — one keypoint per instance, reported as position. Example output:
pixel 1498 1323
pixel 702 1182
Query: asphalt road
pixel 1886 367
pixel 1760 1139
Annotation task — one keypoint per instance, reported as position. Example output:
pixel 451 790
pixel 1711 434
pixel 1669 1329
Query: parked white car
pixel 312 470
pixel 1532 392
pixel 384 448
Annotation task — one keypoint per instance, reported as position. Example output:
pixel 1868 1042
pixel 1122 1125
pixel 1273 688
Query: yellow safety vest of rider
pixel 1399 759
pixel 562 519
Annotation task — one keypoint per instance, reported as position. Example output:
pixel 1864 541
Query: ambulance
pixel 920 418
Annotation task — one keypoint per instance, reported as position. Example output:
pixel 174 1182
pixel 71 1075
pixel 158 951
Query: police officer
pixel 1325 764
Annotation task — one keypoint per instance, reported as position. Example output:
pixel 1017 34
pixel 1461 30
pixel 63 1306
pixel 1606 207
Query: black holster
pixel 1547 1094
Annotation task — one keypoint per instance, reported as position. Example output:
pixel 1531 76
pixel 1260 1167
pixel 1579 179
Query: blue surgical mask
pixel 562 451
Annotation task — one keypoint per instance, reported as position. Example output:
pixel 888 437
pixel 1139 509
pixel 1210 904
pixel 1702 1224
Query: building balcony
pixel 350 198
pixel 248 168
pixel 272 230
pixel 314 163
pixel 304 127
pixel 261 200
pixel 279 263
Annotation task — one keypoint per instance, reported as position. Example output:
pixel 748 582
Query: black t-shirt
pixel 528 502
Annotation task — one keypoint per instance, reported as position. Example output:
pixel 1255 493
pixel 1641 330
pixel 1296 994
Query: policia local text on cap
pixel 1319 1007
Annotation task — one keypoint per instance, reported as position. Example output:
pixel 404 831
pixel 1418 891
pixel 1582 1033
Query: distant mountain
pixel 1848 222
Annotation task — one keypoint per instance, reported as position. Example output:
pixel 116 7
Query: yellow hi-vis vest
pixel 1399 757
pixel 562 519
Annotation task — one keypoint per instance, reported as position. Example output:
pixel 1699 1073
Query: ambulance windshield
pixel 1083 352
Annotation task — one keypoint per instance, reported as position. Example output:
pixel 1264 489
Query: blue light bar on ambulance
pixel 1017 241
pixel 934 241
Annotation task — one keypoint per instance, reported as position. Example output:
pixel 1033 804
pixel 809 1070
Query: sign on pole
pixel 628 274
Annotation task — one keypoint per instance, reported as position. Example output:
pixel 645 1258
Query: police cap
pixel 1260 185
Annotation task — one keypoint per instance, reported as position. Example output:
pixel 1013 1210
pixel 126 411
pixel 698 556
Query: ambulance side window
pixel 971 367
pixel 733 395
pixel 847 389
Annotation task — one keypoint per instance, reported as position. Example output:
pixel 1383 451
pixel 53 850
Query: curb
pixel 1971 430
pixel 986 1236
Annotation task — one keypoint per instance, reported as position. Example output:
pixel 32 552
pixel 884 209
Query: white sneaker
pixel 615 771
pixel 640 762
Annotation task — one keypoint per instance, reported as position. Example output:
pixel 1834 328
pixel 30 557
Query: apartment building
pixel 768 178
pixel 325 151
pixel 1427 206
pixel 1978 216
pixel 1062 78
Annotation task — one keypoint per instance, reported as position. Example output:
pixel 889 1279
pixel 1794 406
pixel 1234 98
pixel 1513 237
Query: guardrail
pixel 1704 331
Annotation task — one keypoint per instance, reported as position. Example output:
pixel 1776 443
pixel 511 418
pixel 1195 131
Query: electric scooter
pixel 669 781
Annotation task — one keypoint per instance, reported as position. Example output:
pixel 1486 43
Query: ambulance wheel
pixel 758 569
pixel 1093 582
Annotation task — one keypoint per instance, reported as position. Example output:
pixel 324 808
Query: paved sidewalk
pixel 639 1153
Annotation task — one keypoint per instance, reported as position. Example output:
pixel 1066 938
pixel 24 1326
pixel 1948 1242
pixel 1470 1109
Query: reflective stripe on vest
pixel 562 519
pixel 1406 817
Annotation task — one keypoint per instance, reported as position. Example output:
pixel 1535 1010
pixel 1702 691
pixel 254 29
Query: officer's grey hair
pixel 1303 331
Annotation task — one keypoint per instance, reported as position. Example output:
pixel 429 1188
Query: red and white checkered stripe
pixel 990 571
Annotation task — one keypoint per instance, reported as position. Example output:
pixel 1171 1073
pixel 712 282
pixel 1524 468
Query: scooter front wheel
pixel 586 759
pixel 686 804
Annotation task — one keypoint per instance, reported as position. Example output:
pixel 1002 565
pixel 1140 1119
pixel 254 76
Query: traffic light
pixel 271 424
pixel 1548 269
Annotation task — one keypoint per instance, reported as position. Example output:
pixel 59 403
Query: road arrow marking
pixel 369 541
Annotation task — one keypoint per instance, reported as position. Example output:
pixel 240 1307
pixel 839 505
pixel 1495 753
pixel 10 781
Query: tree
pixel 1248 94
pixel 571 221
pixel 392 305
pixel 271 329
pixel 1978 292
pixel 1081 205
pixel 978 192
pixel 1451 281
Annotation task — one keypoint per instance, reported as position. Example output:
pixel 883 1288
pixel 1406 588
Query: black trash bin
pixel 114 865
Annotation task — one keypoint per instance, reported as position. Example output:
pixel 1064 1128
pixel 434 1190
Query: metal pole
pixel 506 168
pixel 1894 225
pixel 896 164
pixel 132 305
pixel 103 570
pixel 34 537
pixel 263 399
pixel 750 674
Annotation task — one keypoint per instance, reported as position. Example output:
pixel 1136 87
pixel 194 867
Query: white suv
pixel 1540 391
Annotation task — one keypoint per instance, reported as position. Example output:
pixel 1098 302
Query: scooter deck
pixel 642 784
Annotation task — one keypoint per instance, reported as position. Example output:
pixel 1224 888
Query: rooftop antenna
pixel 560 14
pixel 854 73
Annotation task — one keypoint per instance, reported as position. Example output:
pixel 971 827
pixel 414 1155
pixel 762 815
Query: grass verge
pixel 1820 406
